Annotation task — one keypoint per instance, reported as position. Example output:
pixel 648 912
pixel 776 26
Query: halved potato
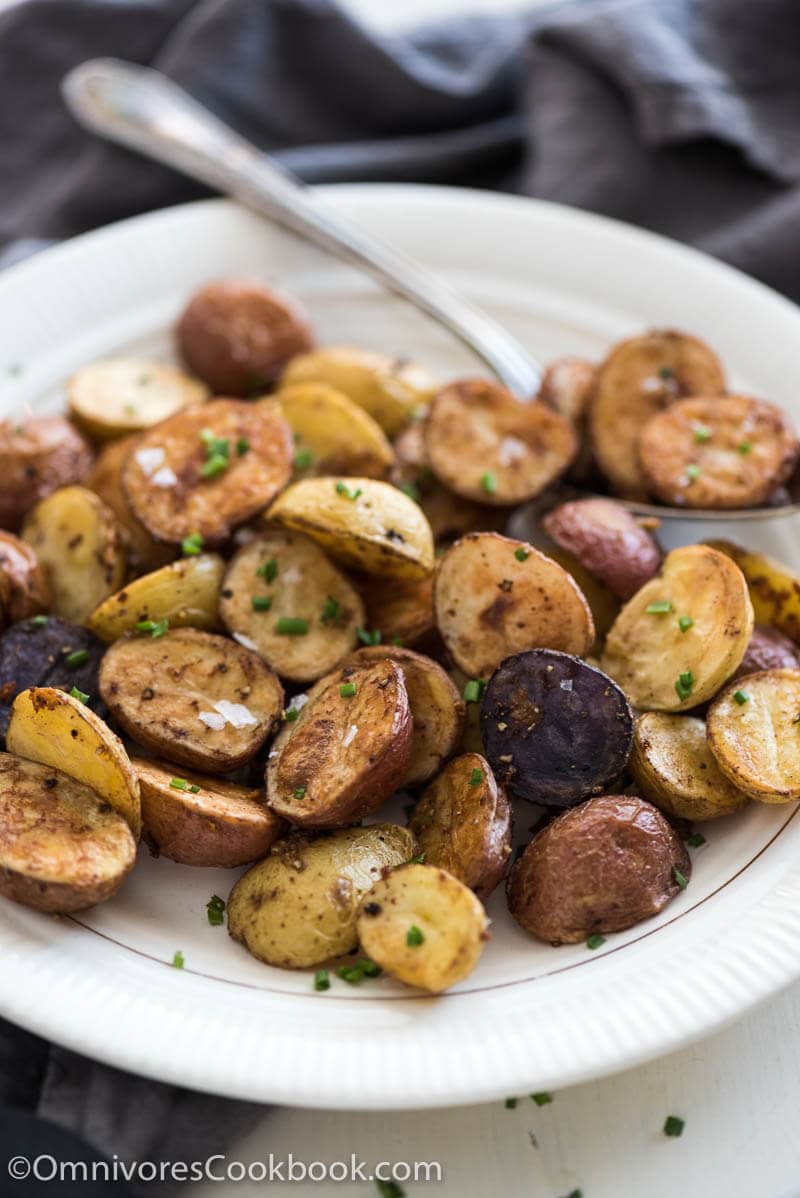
pixel 485 445
pixel 185 593
pixel 362 522
pixel 463 824
pixel 728 452
pixel 494 596
pixel 639 377
pixel 566 387
pixel 298 907
pixel 192 697
pixel 347 751
pixel 754 733
pixel 24 589
pixel 335 434
pixel 62 847
pixel 282 575
pixel 78 541
pixel 38 455
pixel 673 766
pixel 607 541
pixel 208 469
pixel 144 551
pixel 124 395
pixel 196 820
pixel 50 726
pixel 774 588
pixel 401 610
pixel 423 926
pixel 389 389
pixel 683 634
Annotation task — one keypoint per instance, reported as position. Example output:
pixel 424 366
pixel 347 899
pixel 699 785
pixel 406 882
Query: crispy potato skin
pixel 673 766
pixel 607 541
pixel 186 593
pixel 36 655
pixel 601 867
pixel 340 436
pixel 638 378
pixel 62 848
pixel 37 456
pixel 144 552
pixel 124 395
pixel 25 590
pixel 305 579
pixel 706 435
pixel 237 335
pixel 223 825
pixel 464 826
pixel 489 604
pixel 343 755
pixel 298 907
pixel 774 588
pixel 646 653
pixel 756 743
pixel 449 916
pixel 477 428
pixel 158 688
pixel 768 649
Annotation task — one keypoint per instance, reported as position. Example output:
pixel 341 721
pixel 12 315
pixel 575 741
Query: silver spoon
pixel 143 110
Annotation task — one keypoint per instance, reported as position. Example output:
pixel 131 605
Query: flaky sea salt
pixel 165 477
pixel 245 641
pixel 352 732
pixel 150 459
pixel 212 719
pixel 235 713
pixel 511 450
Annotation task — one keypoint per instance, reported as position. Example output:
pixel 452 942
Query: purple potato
pixel 36 652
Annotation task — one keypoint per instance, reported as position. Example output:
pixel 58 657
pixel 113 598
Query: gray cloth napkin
pixel 681 115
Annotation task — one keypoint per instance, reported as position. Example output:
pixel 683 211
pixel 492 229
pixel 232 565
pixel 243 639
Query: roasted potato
pixel 348 750
pixel 423 926
pixel 24 589
pixel 391 390
pixel 361 522
pixel 483 444
pixel 46 651
pixel 774 588
pixel 601 867
pixel 494 596
pixel 237 335
pixel 753 733
pixel 639 377
pixel 768 649
pixel 298 907
pixel 281 579
pixel 400 609
pixel 197 820
pixel 62 847
pixel 192 697
pixel 332 434
pixel 726 452
pixel 184 593
pixel 673 766
pixel 125 395
pixel 683 634
pixel 437 709
pixel 607 541
pixel 144 551
pixel 208 469
pixel 37 455
pixel 566 387
pixel 79 543
pixel 555 729
pixel 462 824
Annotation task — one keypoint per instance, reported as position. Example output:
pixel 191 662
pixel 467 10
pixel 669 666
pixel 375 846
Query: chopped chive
pixel 489 483
pixel 741 698
pixel 156 628
pixel 521 554
pixel 291 626
pixel 178 961
pixel 322 980
pixel 370 969
pixel 390 1189
pixel 369 638
pixel 194 790
pixel 332 610
pixel 129 409
pixel 261 602
pixel 666 372
pixel 685 623
pixel 684 685
pixel 744 447
pixel 595 940
pixel 192 545
pixel 411 490
pixel 269 570
pixel 702 433
pixel 661 608
pixel 290 714
pixel 303 459
pixel 473 691
pixel 343 489
pixel 355 974
pixel 242 446
pixel 542 1098
pixel 179 784
pixel 78 658
pixel 414 936
pixel 39 621
pixel 418 858
pixel 674 1126
pixel 693 472
pixel 476 777
pixel 347 690
pixel 696 840
pixel 398 641
pixel 679 877
pixel 215 909
pixel 511 1104
pixel 215 465
pixel 215 446
pixel 80 695
pixel 300 792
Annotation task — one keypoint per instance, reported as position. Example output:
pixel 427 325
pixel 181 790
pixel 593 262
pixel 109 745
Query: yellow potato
pixel 52 727
pixel 774 588
pixel 332 434
pixel 673 766
pixel 754 733
pixel 186 593
pixel 125 395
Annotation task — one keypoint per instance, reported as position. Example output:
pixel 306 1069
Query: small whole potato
pixel 607 541
pixel 37 455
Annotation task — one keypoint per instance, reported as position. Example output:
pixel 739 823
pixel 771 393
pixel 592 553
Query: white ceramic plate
pixel 530 1017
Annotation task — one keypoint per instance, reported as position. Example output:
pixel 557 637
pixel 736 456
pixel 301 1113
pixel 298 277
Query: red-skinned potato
pixel 24 589
pixel 608 541
pixel 37 455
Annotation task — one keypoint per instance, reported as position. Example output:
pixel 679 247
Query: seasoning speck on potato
pixel 607 541
pixel 673 766
pixel 754 733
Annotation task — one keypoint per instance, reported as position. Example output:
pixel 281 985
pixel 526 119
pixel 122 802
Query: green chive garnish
pixel 178 960
pixel 489 483
pixel 702 433
pixel 78 658
pixel 332 610
pixel 693 472
pixel 242 446
pixel 684 685
pixel 291 626
pixel 39 621
pixel 521 554
pixel 347 690
pixel 666 372
pixel 261 602
pixel 476 777
pixel 661 608
pixel 679 878
pixel 179 784
pixel 355 974
pixel 473 691
pixel 300 792
pixel 269 570
pixel 595 940
pixel 390 1189
pixel 156 628
pixel 369 638
pixel 511 1104
pixel 303 459
pixel 192 545
pixel 411 490
pixel 80 695
pixel 741 698
pixel 418 858
pixel 673 1126
pixel 215 908
pixel 398 641
pixel 744 447
pixel 215 465
pixel 542 1098
pixel 696 840
pixel 322 980
pixel 290 714
pixel 343 489
pixel 414 936
pixel 685 623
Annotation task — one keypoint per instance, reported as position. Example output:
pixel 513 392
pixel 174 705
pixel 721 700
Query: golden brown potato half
pixel 774 588
pixel 298 907
pixel 608 541
pixel 196 820
pixel 423 926
pixel 639 377
pixel 391 390
pixel 184 593
pixel 347 751
pixel 24 589
pixel 463 824
pixel 332 434
pixel 281 581
pixel 192 697
pixel 208 469
pixel 361 522
pixel 400 610
pixel 144 551
pixel 37 455
pixel 237 335
pixel 729 452
pixel 494 596
pixel 55 728
pixel 437 709
pixel 682 636
pixel 673 767
pixel 62 847
pixel 768 649
pixel 600 867
pixel 485 445
pixel 754 733
pixel 125 395
pixel 79 543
